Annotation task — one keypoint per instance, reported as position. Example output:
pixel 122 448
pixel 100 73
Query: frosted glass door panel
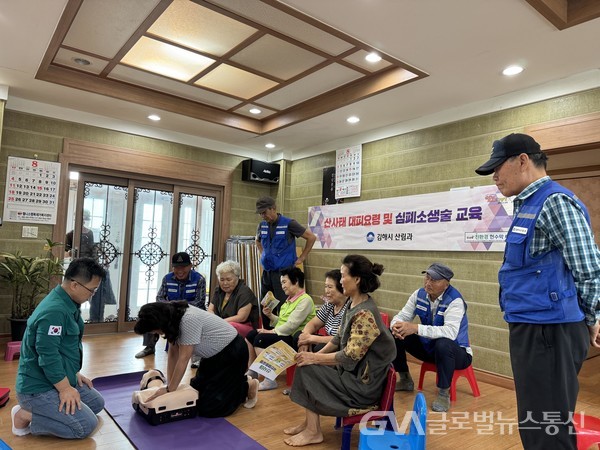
pixel 196 230
pixel 151 238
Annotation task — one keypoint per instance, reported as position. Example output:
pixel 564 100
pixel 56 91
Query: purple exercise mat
pixel 196 433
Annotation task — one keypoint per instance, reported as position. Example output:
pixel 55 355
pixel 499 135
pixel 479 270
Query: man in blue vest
pixel 276 241
pixel 549 290
pixel 442 337
pixel 183 283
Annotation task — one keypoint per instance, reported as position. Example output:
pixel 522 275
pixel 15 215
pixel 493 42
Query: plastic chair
pixel 414 440
pixel 289 375
pixel 588 430
pixel 12 348
pixel 468 373
pixel 385 318
pixel 386 405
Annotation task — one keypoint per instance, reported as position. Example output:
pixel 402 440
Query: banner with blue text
pixel 471 219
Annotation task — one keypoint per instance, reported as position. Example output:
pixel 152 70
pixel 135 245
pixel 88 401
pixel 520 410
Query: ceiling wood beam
pixel 342 96
pixel 142 96
pixel 567 13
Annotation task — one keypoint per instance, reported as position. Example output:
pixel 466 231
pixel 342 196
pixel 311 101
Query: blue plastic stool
pixel 384 439
pixel 4 446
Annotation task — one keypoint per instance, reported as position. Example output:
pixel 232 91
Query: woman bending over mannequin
pixel 220 380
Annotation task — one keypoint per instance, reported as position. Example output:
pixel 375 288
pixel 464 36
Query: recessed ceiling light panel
pixel 255 111
pixel 154 117
pixel 373 57
pixel 353 119
pixel 512 70
pixel 270 145
pixel 81 61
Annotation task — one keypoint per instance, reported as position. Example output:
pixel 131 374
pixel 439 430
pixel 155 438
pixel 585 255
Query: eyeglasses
pixel 91 291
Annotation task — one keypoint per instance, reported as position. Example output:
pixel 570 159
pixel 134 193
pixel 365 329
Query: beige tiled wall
pixel 26 135
pixel 424 161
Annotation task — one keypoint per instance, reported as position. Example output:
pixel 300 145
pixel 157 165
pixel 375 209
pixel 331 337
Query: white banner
pixel 475 219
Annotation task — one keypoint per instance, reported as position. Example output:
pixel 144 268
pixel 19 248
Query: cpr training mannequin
pixel 172 406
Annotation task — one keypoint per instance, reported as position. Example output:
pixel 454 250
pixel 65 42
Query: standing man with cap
pixel 276 241
pixel 549 290
pixel 183 283
pixel 442 337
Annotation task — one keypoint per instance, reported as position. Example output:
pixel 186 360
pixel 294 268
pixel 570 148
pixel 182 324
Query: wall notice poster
pixel 31 191
pixel 328 195
pixel 348 166
pixel 474 219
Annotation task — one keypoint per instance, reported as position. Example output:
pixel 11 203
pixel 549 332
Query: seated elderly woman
pixel 328 316
pixel 348 375
pixel 233 300
pixel 220 380
pixel 294 314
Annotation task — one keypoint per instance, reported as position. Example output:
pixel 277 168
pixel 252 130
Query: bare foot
pixel 295 430
pixel 304 438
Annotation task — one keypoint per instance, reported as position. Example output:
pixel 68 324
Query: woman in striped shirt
pixel 328 317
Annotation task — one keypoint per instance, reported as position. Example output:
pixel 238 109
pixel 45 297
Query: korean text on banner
pixel 475 219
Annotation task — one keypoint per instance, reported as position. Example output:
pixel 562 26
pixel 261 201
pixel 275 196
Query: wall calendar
pixel 348 166
pixel 31 193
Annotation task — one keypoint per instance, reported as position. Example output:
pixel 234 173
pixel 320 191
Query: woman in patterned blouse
pixel 348 375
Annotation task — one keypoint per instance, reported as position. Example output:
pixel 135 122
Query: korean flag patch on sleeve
pixel 55 330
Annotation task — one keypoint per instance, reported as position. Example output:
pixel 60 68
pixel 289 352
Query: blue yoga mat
pixel 196 433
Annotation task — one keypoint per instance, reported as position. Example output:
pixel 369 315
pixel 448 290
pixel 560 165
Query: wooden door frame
pixel 125 163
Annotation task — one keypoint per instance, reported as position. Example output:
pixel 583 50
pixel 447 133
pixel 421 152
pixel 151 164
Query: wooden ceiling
pixel 215 60
pixel 567 13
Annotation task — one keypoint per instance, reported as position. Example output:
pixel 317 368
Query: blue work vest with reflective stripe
pixel 541 289
pixel 178 290
pixel 423 310
pixel 279 251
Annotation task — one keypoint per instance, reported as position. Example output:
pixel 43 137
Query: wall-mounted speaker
pixel 260 171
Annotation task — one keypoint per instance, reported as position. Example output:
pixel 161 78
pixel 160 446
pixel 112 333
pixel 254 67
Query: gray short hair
pixel 229 266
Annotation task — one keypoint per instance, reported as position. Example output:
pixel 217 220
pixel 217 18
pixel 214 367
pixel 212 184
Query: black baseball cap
pixel 181 259
pixel 512 145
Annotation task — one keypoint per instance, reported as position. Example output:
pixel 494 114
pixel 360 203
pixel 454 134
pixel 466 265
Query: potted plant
pixel 30 279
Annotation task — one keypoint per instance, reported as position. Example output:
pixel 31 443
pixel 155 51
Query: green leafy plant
pixel 30 278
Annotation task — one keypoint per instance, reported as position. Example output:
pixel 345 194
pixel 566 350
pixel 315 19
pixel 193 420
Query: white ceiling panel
pixel 314 84
pixel 277 58
pixel 105 37
pixel 162 84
